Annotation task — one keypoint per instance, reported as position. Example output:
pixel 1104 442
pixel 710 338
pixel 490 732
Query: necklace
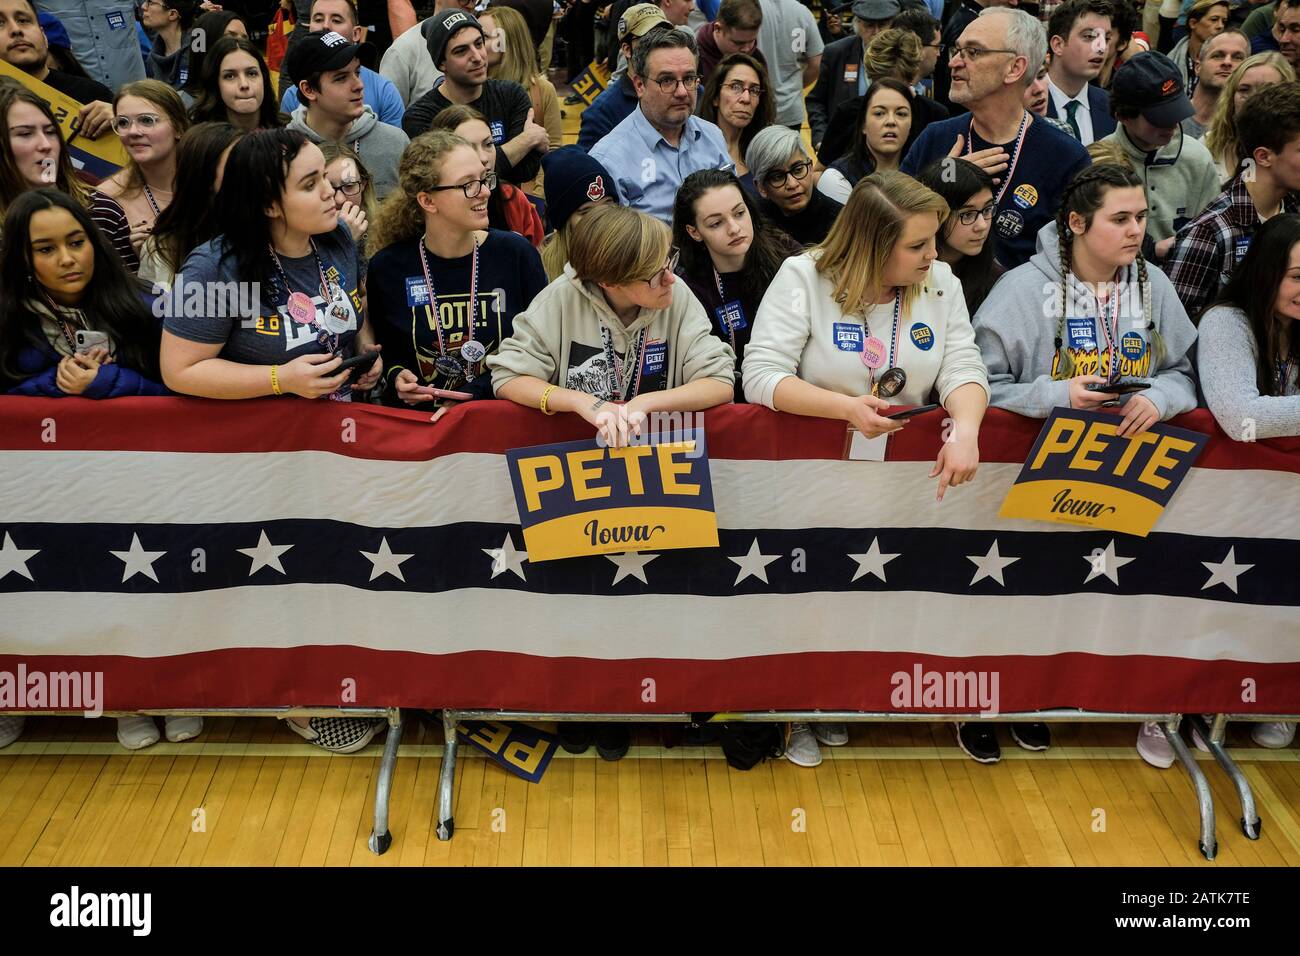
pixel 470 351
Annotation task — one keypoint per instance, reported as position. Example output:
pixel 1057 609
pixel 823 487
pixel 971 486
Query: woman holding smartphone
pixel 849 327
pixel 435 265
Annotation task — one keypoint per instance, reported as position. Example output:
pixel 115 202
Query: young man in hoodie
pixel 381 96
pixel 1178 171
pixel 327 77
pixel 458 47
pixel 169 20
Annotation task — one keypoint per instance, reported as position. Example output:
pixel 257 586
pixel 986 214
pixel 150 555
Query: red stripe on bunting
pixel 740 432
pixel 269 677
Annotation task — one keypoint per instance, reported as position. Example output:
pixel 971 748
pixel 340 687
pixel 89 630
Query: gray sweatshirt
pixel 1016 329
pixel 1226 359
pixel 379 145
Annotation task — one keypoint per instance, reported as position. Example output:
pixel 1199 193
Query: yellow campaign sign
pixel 99 158
pixel 584 498
pixel 591 82
pixel 1081 472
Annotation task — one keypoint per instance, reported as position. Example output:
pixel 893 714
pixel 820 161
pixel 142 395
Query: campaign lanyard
pixel 620 374
pixel 1283 373
pixel 433 297
pixel 893 340
pixel 153 203
pixel 722 297
pixel 324 336
pixel 1015 153
pixel 1109 319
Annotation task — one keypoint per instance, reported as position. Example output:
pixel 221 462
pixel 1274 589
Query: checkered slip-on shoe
pixel 339 735
pixel 11 728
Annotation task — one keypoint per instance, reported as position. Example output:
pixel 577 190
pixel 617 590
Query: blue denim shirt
pixel 647 171
pixel 103 38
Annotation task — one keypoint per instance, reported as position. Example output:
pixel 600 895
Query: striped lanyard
pixel 1284 373
pixel 153 203
pixel 1108 316
pixel 1015 152
pixel 620 373
pixel 893 339
pixel 722 297
pixel 433 300
pixel 326 338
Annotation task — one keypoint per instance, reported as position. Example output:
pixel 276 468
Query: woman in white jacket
pixel 850 323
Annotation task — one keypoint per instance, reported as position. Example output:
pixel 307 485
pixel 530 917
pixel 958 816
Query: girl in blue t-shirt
pixel 435 264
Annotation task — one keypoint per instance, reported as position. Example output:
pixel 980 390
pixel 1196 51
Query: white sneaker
pixel 182 728
pixel 136 732
pixel 802 749
pixel 1154 747
pixel 832 735
pixel 1274 736
pixel 11 728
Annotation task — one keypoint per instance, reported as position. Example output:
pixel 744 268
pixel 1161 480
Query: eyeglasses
pixel 352 188
pixel 146 4
pixel 967 217
pixel 972 53
pixel 736 88
pixel 668 84
pixel 472 188
pixel 934 46
pixel 777 177
pixel 656 281
pixel 146 121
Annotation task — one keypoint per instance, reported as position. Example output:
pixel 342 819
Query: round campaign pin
pixel 873 352
pixel 448 366
pixel 473 351
pixel 337 320
pixel 892 381
pixel 301 308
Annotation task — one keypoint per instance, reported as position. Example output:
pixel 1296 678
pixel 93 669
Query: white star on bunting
pixel 384 561
pixel 506 558
pixel 265 555
pixel 1105 562
pixel 990 565
pixel 14 558
pixel 138 560
pixel 755 563
pixel 1224 572
pixel 631 564
pixel 873 562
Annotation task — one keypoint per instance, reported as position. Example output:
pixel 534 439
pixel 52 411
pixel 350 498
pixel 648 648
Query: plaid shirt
pixel 1209 247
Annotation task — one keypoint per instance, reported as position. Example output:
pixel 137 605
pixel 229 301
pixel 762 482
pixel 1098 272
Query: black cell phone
pixel 362 362
pixel 909 412
pixel 1119 388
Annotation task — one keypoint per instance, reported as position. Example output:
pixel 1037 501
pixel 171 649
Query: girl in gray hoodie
pixel 1086 312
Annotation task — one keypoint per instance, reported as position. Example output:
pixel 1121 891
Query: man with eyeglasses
pixel 734 31
pixel 458 47
pixel 617 101
pixel 994 61
pixel 1077 37
pixel 661 143
pixel 926 29
pixel 842 76
pixel 326 74
pixel 103 38
pixel 23 45
pixel 959 20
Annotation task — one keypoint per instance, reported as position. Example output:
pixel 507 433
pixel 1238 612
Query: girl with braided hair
pixel 1086 312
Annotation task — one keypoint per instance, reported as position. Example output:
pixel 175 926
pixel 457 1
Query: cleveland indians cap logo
pixel 596 191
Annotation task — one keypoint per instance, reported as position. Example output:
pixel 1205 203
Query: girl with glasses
pixel 738 99
pixel 354 190
pixel 190 219
pixel 850 328
pixel 444 286
pixel 884 124
pixel 782 171
pixel 150 119
pixel 236 87
pixel 966 240
pixel 509 208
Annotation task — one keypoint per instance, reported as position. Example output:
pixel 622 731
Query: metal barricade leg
pixel 380 839
pixel 1209 844
pixel 447 778
pixel 1213 737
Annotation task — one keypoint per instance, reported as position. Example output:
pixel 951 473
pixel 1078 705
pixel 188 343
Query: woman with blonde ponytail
pixel 434 264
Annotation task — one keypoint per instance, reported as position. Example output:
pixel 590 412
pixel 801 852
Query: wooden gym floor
pixel 899 794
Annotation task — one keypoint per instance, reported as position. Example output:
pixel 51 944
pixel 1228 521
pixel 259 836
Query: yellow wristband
pixel 275 381
pixel 546 394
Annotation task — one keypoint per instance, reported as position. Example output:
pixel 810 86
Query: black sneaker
pixel 1032 736
pixel 979 742
pixel 574 737
pixel 573 99
pixel 613 741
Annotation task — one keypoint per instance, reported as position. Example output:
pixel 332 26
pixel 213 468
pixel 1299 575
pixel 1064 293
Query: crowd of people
pixel 992 208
